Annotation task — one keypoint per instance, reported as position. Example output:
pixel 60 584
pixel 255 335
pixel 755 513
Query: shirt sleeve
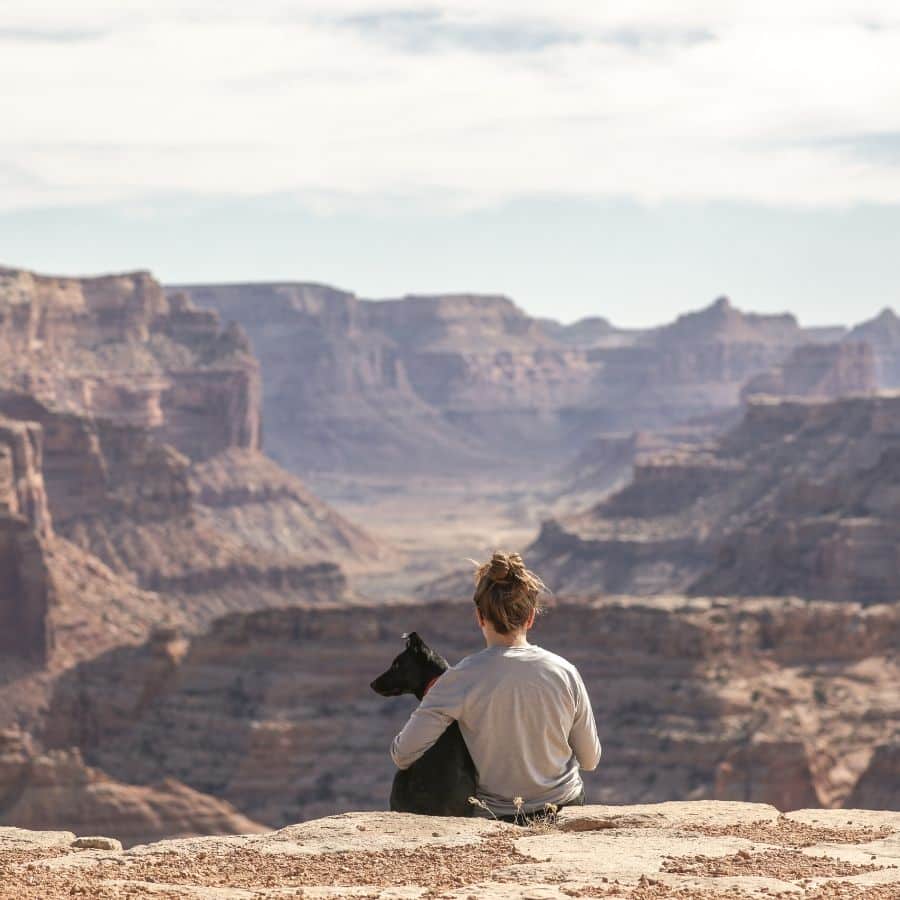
pixel 583 737
pixel 440 706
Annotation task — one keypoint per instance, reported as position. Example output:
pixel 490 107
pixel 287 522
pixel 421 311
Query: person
pixel 524 712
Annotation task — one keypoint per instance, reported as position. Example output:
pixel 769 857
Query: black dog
pixel 441 781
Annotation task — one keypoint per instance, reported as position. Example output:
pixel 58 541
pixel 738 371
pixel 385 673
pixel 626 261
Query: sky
pixel 627 159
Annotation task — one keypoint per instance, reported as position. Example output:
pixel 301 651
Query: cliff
pixel 883 334
pixel 774 701
pixel 26 591
pixel 688 851
pixel 121 407
pixel 233 531
pixel 57 790
pixel 799 499
pixel 826 371
pixel 117 347
pixel 429 385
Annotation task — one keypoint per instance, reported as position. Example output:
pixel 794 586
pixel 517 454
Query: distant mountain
pixel 721 322
pixel 883 334
pixel 458 383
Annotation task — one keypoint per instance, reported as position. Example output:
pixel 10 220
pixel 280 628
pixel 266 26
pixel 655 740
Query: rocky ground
pixel 682 851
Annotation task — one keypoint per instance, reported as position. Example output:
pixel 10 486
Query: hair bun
pixel 500 567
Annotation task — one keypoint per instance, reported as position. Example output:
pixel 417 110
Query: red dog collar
pixel 429 685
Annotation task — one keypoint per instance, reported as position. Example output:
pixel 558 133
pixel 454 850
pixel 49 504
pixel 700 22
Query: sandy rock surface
pixel 684 851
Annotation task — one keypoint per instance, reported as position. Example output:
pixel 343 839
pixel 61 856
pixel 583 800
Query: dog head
pixel 411 671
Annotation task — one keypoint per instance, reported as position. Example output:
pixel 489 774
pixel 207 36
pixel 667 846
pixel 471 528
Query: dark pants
pixel 542 815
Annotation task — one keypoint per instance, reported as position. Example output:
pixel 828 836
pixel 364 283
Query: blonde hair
pixel 506 593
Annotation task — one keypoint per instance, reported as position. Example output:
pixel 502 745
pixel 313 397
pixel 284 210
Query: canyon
pixel 800 498
pixel 220 506
pixel 767 700
pixel 134 496
pixel 467 382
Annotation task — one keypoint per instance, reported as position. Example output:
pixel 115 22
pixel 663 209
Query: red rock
pixel 117 347
pixel 693 699
pixel 58 791
pixel 459 382
pixel 820 370
pixel 879 785
pixel 799 499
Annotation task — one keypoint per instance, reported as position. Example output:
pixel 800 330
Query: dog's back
pixel 441 781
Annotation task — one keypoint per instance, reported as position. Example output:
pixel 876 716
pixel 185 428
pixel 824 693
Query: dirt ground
pixel 671 851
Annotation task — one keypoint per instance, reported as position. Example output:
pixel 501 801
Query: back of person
pixel 523 712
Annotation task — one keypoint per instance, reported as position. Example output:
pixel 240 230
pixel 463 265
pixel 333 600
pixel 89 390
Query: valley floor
pixel 437 525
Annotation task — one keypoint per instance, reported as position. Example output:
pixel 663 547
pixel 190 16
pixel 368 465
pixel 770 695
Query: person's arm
pixel 440 706
pixel 583 737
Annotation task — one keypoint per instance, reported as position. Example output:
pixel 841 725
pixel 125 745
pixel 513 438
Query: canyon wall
pixel 799 499
pixel 820 370
pixel 117 347
pixel 769 700
pixel 138 404
pixel 883 334
pixel 457 382
pixel 56 790
pixel 26 589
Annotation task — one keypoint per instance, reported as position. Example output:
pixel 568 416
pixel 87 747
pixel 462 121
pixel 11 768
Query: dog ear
pixel 413 640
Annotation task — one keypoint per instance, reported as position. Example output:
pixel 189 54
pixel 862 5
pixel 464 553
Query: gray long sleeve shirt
pixel 526 718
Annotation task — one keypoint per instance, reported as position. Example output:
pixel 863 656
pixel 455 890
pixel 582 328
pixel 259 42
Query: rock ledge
pixel 685 851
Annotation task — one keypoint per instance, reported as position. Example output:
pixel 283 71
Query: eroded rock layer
pixel 801 498
pixel 428 384
pixel 57 790
pixel 116 346
pixel 776 701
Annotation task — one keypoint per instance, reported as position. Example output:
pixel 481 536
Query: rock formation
pixel 799 499
pixel 26 591
pixel 879 785
pixel 131 404
pixel 825 371
pixel 688 851
pixel 57 790
pixel 883 334
pixel 117 347
pixel 433 384
pixel 231 532
pixel 779 701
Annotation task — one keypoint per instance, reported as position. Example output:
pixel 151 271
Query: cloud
pixel 428 30
pixel 453 104
pixel 48 35
pixel 877 148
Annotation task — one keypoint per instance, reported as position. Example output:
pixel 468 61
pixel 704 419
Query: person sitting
pixel 523 711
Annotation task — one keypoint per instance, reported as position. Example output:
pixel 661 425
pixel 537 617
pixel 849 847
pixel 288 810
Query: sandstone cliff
pixel 799 499
pixel 774 701
pixel 130 404
pixel 820 370
pixel 671 851
pixel 456 382
pixel 883 334
pixel 117 347
pixel 26 592
pixel 57 790
pixel 231 532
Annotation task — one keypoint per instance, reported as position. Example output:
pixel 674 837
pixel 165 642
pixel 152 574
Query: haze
pixel 632 161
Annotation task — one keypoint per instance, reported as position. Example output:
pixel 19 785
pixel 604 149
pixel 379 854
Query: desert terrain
pixel 221 506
